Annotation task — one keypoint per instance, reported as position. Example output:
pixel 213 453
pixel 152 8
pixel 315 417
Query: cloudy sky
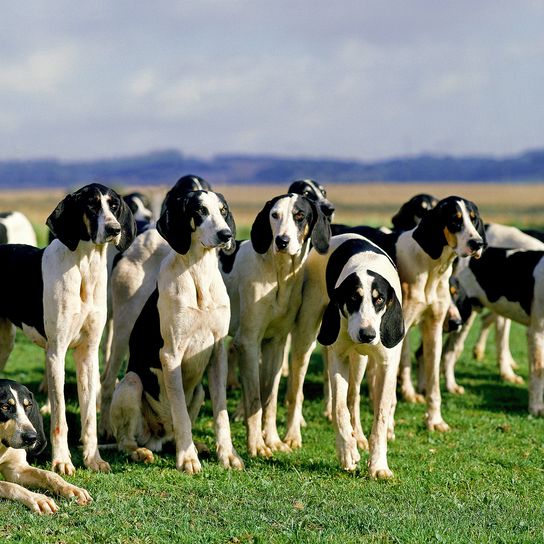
pixel 349 79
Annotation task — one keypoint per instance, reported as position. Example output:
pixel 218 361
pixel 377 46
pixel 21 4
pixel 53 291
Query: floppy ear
pixel 480 226
pixel 261 231
pixel 36 419
pixel 330 325
pixel 174 225
pixel 403 219
pixel 128 225
pixel 321 229
pixel 66 222
pixel 392 325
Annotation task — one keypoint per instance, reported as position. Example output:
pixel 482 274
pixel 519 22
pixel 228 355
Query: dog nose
pixel 282 241
pixel 366 335
pixel 475 245
pixel 224 236
pixel 453 325
pixel 112 229
pixel 29 437
pixel 327 208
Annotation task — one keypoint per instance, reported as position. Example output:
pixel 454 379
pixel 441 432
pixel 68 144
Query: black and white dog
pixel 15 228
pixel 411 212
pixel 313 191
pixel 178 335
pixel 353 298
pixel 21 433
pixel 57 295
pixel 140 206
pixel 264 281
pixel 133 279
pixel 517 293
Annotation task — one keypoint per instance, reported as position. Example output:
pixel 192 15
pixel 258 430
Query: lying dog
pixel 353 297
pixel 178 335
pixel 57 295
pixel 21 432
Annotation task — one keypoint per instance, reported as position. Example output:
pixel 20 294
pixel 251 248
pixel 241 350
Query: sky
pixel 350 79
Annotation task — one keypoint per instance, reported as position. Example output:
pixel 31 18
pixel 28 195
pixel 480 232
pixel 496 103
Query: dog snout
pixel 282 242
pixel 29 437
pixel 475 245
pixel 367 335
pixel 327 208
pixel 112 229
pixel 224 236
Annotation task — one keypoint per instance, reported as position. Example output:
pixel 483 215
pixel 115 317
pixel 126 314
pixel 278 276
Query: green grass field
pixel 482 482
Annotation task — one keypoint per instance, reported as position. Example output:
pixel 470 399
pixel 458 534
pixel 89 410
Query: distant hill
pixel 165 167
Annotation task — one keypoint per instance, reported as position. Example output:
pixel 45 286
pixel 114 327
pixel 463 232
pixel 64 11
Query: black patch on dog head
pixel 229 219
pixel 320 226
pixel 131 202
pixel 392 322
pixel 184 185
pixel 411 212
pixel 501 274
pixel 313 191
pixel 123 214
pixel 385 240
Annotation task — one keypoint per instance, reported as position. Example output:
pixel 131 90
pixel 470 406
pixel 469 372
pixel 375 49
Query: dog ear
pixel 229 219
pixel 392 325
pixel 330 325
pixel 321 229
pixel 128 225
pixel 35 418
pixel 404 218
pixel 479 225
pixel 66 222
pixel 174 225
pixel 261 231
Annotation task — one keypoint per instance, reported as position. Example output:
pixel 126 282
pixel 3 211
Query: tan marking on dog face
pixel 450 238
pixel 12 402
pixel 26 403
pixel 7 430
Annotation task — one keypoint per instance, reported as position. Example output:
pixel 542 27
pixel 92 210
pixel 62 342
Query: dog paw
pixel 40 504
pixel 142 455
pixel 349 456
pixel 362 442
pixel 293 440
pixel 512 378
pixel 456 389
pixel 81 495
pixel 64 468
pixel 478 354
pixel 537 409
pixel 278 445
pixel 97 465
pixel 188 462
pixel 413 397
pixel 259 450
pixel 381 473
pixel 229 458
pixel 438 426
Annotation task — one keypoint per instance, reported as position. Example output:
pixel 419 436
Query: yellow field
pixel 369 203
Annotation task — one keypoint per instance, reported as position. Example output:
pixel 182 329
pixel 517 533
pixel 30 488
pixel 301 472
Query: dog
pixel 133 279
pixel 57 296
pixel 411 212
pixel 21 433
pixel 264 281
pixel 140 206
pixel 179 334
pixel 517 293
pixel 313 191
pixel 352 298
pixel 15 228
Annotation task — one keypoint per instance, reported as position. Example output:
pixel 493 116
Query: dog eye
pixel 274 215
pixel 323 192
pixel 5 407
pixel 203 211
pixel 113 206
pixel 299 217
pixel 224 211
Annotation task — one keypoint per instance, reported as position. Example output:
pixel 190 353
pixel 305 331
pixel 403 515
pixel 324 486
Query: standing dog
pixel 57 295
pixel 179 334
pixel 21 433
pixel 354 292
pixel 133 279
pixel 15 228
pixel 265 288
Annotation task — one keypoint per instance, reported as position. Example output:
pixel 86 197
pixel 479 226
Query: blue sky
pixel 348 79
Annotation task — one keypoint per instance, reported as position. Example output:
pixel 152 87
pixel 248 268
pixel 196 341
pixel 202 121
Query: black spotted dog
pixel 517 293
pixel 353 298
pixel 133 279
pixel 57 296
pixel 140 206
pixel 424 257
pixel 313 191
pixel 411 212
pixel 178 335
pixel 15 228
pixel 21 433
pixel 264 282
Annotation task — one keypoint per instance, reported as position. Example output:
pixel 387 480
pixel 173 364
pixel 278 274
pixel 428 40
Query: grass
pixel 482 482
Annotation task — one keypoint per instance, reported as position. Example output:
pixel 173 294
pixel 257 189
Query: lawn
pixel 482 482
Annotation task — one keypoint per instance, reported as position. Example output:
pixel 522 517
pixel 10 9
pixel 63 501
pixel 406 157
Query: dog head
pixel 20 419
pixel 96 213
pixel 198 217
pixel 140 206
pixel 313 191
pixel 411 212
pixel 363 288
pixel 289 221
pixel 184 185
pixel 455 222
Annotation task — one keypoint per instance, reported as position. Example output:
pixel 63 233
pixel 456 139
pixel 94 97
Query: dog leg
pixel 327 393
pixel 40 504
pixel 272 358
pixel 357 367
pixel 504 356
pixel 285 361
pixel 478 351
pixel 385 382
pixel 217 376
pixel 346 445
pixel 86 359
pixel 7 341
pixel 432 348
pixel 535 343
pixel 407 389
pixel 453 349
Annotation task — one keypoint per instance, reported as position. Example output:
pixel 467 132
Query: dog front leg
pixel 535 343
pixel 385 381
pixel 7 340
pixel 432 351
pixel 478 352
pixel 40 504
pixel 407 389
pixel 217 376
pixel 504 356
pixel 346 445
pixel 357 367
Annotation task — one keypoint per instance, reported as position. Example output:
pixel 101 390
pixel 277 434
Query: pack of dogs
pixel 166 295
